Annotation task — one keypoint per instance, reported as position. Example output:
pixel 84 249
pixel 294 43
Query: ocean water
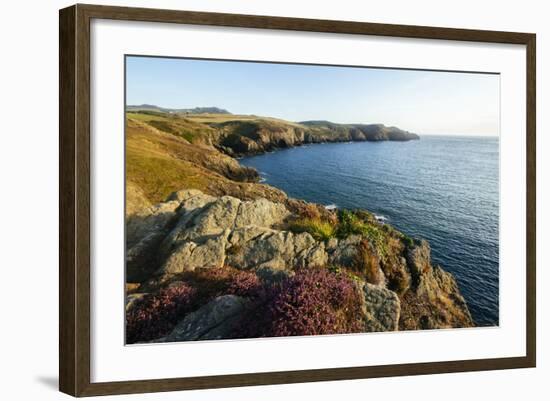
pixel 441 188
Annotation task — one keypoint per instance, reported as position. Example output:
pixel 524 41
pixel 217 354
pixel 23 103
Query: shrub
pixel 306 210
pixel 154 316
pixel 320 230
pixel 313 301
pixel 311 211
pixel 408 241
pixel 211 283
pixel 350 224
pixel 367 264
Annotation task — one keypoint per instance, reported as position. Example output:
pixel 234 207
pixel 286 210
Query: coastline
pixel 218 216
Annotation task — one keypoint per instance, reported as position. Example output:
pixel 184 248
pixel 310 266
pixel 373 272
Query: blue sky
pixel 425 102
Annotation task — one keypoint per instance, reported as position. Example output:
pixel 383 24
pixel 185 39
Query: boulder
pixel 419 259
pixel 261 213
pixel 145 231
pixel 195 203
pixel 149 220
pixel 433 300
pixel 253 248
pixel 272 249
pixel 382 308
pixel 212 220
pixel 183 195
pixel 215 320
pixel 343 252
pixel 131 299
pixel 191 255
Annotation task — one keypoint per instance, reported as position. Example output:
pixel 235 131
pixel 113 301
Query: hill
pixel 195 110
pixel 168 151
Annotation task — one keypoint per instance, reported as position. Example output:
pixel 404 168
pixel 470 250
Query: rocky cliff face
pixel 192 231
pixel 252 137
pixel 216 257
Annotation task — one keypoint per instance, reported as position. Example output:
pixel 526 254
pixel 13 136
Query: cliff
pixel 192 232
pixel 210 251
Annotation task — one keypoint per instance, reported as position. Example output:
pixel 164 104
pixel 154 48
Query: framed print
pixel 250 200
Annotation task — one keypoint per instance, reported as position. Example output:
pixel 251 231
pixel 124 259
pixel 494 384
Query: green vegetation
pixel 408 241
pixel 162 158
pixel 320 230
pixel 148 116
pixel 355 223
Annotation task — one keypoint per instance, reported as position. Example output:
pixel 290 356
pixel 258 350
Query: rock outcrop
pixel 224 219
pixel 228 231
pixel 215 320
pixel 192 230
pixel 382 309
pixel 258 136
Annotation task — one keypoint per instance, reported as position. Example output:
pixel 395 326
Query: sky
pixel 424 102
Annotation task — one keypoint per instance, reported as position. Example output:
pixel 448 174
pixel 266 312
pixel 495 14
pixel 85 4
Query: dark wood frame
pixel 74 202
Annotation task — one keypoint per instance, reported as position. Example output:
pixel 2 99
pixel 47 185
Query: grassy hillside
pixel 168 151
pixel 160 161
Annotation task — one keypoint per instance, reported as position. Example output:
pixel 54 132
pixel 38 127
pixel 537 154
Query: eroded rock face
pixel 191 255
pixel 343 252
pixel 145 231
pixel 434 299
pixel 215 320
pixel 213 232
pixel 255 248
pixel 261 213
pixel 382 307
pixel 192 230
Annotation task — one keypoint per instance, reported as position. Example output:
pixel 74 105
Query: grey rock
pixel 261 213
pixel 183 195
pixel 214 219
pixel 332 244
pixel 273 249
pixel 131 299
pixel 145 231
pixel 382 308
pixel 195 203
pixel 149 220
pixel 215 320
pixel 345 251
pixel 419 259
pixel 257 247
pixel 191 255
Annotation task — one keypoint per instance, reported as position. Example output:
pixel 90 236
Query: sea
pixel 444 189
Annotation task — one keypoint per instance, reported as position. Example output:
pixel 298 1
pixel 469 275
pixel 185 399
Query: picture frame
pixel 76 203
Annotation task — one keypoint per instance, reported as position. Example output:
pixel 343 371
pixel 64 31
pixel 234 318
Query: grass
pixel 320 230
pixel 349 223
pixel 159 163
pixel 353 223
pixel 159 176
pixel 148 116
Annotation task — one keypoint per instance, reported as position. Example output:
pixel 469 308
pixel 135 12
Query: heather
pixel 155 315
pixel 313 301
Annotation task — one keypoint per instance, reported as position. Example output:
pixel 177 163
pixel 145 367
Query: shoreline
pixel 217 218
